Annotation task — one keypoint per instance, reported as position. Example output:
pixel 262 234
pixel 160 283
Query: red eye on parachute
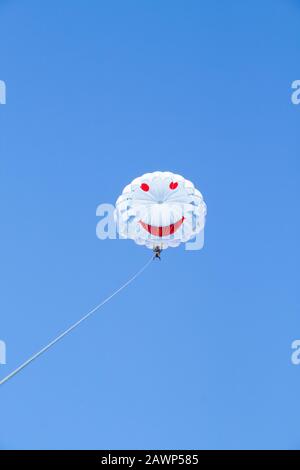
pixel 173 185
pixel 145 187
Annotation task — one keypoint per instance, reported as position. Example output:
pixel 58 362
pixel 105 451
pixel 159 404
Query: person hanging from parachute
pixel 157 251
pixel 157 210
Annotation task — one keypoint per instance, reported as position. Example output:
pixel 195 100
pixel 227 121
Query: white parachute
pixel 160 209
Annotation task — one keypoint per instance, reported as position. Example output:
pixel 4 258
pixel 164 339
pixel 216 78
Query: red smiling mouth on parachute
pixel 162 231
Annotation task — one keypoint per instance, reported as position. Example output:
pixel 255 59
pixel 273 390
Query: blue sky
pixel 195 354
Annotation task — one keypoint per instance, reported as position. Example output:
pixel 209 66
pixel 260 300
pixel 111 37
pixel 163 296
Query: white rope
pixel 72 327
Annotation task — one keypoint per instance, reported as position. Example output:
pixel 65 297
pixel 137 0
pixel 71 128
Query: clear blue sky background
pixel 196 354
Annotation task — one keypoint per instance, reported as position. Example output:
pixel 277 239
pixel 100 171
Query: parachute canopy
pixel 160 209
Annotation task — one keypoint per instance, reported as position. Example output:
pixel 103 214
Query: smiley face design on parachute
pixel 160 208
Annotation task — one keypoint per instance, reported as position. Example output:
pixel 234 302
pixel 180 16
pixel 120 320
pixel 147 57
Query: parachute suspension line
pixel 72 327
